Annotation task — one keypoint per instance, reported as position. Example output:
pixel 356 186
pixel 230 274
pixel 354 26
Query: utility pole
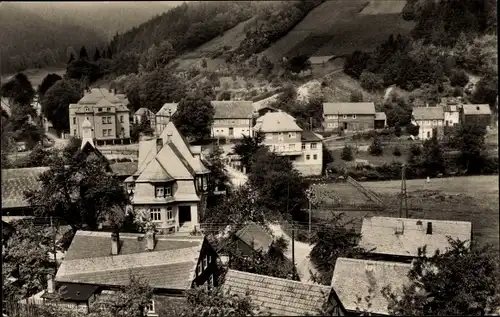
pixel 54 245
pixel 403 193
pixel 311 123
pixel 293 249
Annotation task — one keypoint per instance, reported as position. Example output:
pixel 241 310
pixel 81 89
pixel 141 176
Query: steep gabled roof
pixel 232 109
pixel 428 113
pixel 164 111
pixel 476 109
pixel 16 181
pixel 333 108
pixel 154 172
pixel 254 235
pixel 277 122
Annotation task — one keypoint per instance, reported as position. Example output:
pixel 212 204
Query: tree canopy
pixel 247 147
pixel 56 101
pixel 47 82
pixel 194 117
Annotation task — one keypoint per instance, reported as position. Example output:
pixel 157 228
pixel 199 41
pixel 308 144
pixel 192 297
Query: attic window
pixel 86 108
pixel 109 109
pixel 477 108
pixel 100 109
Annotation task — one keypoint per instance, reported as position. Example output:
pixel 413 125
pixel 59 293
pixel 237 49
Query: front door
pixel 231 131
pixel 184 214
pixel 345 125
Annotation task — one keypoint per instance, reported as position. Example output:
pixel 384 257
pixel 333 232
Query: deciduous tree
pixel 247 147
pixel 469 140
pixel 47 82
pixel 194 117
pixel 433 156
pixel 56 101
pixel 159 87
pixel 18 90
pixel 218 174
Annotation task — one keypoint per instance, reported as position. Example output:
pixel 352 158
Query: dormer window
pixel 100 109
pixel 86 108
pixel 163 191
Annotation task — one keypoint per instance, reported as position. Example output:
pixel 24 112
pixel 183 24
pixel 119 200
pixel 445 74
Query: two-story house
pixel 430 121
pixel 286 138
pixel 107 114
pixel 232 119
pixel 348 116
pixel 164 116
pixel 170 184
pixel 97 264
pixel 146 114
pixel 479 115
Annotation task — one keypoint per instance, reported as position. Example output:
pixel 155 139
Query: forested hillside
pixel 29 41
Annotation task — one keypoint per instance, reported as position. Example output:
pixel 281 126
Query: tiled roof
pixel 352 278
pixel 379 233
pixel 428 113
pixel 124 168
pixel 348 108
pixel 476 109
pixel 18 180
pixel 280 297
pixel 380 116
pixel 309 136
pixel 164 111
pixel 232 109
pixel 170 265
pixel 253 234
pixel 142 111
pixel 277 122
pixel 96 94
pixel 154 171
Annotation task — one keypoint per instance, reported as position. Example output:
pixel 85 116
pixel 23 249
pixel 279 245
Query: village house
pixel 98 264
pixel 171 183
pixel 146 114
pixel 430 121
pixel 232 119
pixel 107 114
pixel 479 115
pixel 282 297
pixel 380 120
pixel 164 116
pixel 398 239
pixel 252 238
pixel 348 116
pixel 260 109
pixel 284 137
pixel 355 279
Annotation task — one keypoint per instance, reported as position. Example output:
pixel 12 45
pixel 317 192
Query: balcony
pixel 283 150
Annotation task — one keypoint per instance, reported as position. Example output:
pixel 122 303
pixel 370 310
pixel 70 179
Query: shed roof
pixel 428 113
pixel 232 109
pixel 476 109
pixel 278 296
pixel 348 108
pixel 379 233
pixel 277 122
pixel 352 278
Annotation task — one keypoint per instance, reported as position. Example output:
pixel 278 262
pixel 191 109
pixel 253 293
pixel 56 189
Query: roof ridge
pixel 281 279
pixel 417 219
pixel 373 262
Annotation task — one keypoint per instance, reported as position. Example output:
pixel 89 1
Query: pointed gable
pixel 103 103
pixel 171 161
pixel 147 152
pixel 154 172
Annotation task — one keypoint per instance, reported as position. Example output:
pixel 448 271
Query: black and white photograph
pixel 249 158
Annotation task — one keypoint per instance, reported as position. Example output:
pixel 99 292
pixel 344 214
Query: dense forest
pixel 29 41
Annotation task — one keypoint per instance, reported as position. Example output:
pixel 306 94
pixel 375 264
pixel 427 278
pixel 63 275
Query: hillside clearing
pixel 384 7
pixel 37 75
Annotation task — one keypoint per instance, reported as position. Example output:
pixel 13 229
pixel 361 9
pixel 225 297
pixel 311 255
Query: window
pixel 74 120
pixel 345 116
pixel 86 108
pixel 308 157
pixel 121 119
pixel 204 262
pixel 315 156
pixel 109 119
pixel 209 259
pixel 74 132
pixel 163 191
pixel 354 116
pixel 434 121
pixel 155 214
pixel 103 120
pixel 104 132
pixel 109 109
pixel 303 146
pixel 150 308
pixel 313 145
pixel 428 134
pixel 291 146
pixel 109 132
pixel 291 135
pixel 200 269
pixel 100 109
pixel 170 213
pixel 292 158
pixel 211 281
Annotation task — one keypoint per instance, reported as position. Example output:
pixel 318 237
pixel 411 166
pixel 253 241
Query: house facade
pixel 232 119
pixel 171 183
pixel 144 113
pixel 479 115
pixel 107 114
pixel 164 116
pixel 348 116
pixel 380 120
pixel 451 115
pixel 430 120
pixel 286 138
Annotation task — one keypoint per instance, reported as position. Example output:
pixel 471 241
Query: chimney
pixel 159 144
pixel 429 227
pixel 400 227
pixel 419 225
pixel 50 284
pixel 150 239
pixel 115 243
pixel 169 136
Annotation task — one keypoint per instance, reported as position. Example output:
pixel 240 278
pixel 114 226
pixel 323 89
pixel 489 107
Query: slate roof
pixel 168 106
pixel 96 94
pixel 253 234
pixel 171 265
pixel 428 113
pixel 72 292
pixel 277 122
pixel 308 136
pixel 380 116
pixel 342 108
pixel 353 277
pixel 142 111
pixel 280 297
pixel 476 109
pixel 18 180
pixel 379 233
pixel 124 168
pixel 232 109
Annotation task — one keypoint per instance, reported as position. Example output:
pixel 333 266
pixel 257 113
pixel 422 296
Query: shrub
pixel 371 81
pixel 375 148
pixel 459 78
pixel 356 96
pixel 397 151
pixel 346 154
pixel 397 130
pixel 412 129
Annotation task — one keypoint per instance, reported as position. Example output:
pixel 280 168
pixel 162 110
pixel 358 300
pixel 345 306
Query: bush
pixel 459 78
pixel 397 151
pixel 356 96
pixel 375 148
pixel 371 81
pixel 346 154
pixel 397 130
pixel 412 129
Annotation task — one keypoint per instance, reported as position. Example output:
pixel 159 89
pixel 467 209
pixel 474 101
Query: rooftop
pixel 168 109
pixel 309 136
pixel 379 233
pixel 342 108
pixel 232 109
pixel 16 181
pixel 380 116
pixel 428 113
pixel 278 296
pixel 72 292
pixel 476 109
pixel 277 122
pixel 253 234
pixel 352 278
pixel 142 111
pixel 96 94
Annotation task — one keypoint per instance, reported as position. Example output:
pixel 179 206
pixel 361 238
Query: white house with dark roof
pixel 348 116
pixel 353 278
pixel 400 238
pixel 286 138
pixel 99 263
pixel 164 116
pixel 430 120
pixel 232 119
pixel 171 181
pixel 282 297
